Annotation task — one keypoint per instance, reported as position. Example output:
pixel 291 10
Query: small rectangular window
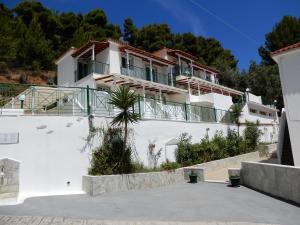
pixel 253 111
pixel 124 63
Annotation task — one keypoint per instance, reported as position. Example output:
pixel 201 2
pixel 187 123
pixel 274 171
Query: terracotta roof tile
pixel 290 47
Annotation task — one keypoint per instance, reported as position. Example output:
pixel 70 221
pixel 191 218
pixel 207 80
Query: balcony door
pixel 82 70
pixel 154 74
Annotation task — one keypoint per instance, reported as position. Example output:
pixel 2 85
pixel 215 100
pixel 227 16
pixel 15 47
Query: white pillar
pixel 151 74
pixel 192 69
pixel 160 96
pixel 189 87
pixel 144 98
pixel 127 62
pixel 93 53
pixel 199 89
pixel 93 58
pixel 171 72
pixel 179 62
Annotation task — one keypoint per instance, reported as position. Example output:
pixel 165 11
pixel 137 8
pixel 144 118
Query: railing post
pixel 139 104
pixel 215 112
pixel 185 110
pixel 32 100
pixel 88 100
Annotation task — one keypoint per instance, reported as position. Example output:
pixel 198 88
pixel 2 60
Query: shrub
pixel 251 135
pixel 170 165
pixel 111 157
pixel 218 147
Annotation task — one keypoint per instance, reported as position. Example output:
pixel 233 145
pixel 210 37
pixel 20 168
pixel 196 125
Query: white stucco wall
pixel 253 117
pixel 289 68
pixel 66 70
pixel 222 101
pixel 52 156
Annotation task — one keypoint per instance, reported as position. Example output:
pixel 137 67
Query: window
pixel 124 62
pixel 262 113
pixel 253 110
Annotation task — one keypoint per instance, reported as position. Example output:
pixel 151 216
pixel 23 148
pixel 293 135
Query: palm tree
pixel 236 113
pixel 124 99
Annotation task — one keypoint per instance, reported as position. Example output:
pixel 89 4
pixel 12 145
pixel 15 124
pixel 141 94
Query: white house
pixel 44 129
pixel 288 60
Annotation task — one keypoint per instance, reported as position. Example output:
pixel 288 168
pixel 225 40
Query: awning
pixel 206 85
pixel 137 83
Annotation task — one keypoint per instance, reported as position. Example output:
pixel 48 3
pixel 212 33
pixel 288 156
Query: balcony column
pixel 151 74
pixel 179 62
pixel 172 79
pixel 160 96
pixel 127 62
pixel 93 58
pixel 144 98
pixel 192 69
pixel 199 89
pixel 189 87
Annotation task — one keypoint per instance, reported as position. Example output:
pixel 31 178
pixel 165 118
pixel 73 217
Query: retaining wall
pixel 277 180
pixel 227 162
pixel 96 185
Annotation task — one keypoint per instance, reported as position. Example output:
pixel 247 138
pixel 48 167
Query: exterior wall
pixel 51 149
pixel 66 70
pixel 254 98
pixel 114 58
pixel 52 156
pixel 96 185
pixel 88 80
pixel 253 117
pixel 103 56
pixel 276 180
pixel 222 101
pixel 289 68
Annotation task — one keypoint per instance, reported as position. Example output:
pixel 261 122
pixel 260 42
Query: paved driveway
pixel 204 202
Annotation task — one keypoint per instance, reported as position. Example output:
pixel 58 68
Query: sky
pixel 239 25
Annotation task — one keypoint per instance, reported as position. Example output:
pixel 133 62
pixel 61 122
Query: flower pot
pixel 235 181
pixel 193 178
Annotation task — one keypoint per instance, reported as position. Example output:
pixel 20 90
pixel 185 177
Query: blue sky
pixel 239 25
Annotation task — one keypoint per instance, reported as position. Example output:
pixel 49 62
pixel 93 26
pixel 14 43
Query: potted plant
pixel 235 180
pixel 193 177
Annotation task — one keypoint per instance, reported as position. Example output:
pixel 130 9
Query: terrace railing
pixel 81 101
pixel 140 73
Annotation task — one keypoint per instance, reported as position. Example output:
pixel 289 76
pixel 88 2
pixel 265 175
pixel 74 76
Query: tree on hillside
pixel 129 31
pixel 284 33
pixel 34 50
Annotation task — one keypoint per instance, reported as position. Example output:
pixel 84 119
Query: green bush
pixel 218 147
pixel 170 165
pixel 111 157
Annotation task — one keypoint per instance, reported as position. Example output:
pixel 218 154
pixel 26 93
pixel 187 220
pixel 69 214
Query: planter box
pixel 96 185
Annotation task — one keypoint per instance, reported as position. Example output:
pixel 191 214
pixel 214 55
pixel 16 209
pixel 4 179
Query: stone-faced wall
pixel 96 185
pixel 9 178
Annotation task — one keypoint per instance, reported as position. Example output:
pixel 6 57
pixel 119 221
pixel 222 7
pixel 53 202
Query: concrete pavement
pixel 202 203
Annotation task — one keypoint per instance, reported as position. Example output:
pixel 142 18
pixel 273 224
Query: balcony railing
pixel 98 67
pixel 79 101
pixel 141 73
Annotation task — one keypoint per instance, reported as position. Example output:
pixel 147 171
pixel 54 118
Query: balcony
pixel 144 74
pixel 187 71
pixel 86 68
